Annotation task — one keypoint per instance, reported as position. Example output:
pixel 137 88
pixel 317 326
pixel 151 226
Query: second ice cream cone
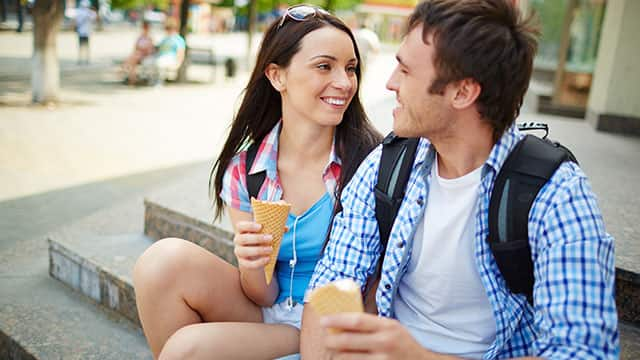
pixel 273 218
pixel 337 297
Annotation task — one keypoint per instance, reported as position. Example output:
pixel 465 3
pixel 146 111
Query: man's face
pixel 418 113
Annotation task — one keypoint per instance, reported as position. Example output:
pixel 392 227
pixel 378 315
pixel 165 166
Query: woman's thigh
pixel 183 272
pixel 232 341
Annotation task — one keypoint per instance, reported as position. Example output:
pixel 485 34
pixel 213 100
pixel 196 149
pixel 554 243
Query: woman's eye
pixel 351 69
pixel 324 67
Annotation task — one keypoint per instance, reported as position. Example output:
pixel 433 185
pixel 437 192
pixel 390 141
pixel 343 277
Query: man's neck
pixel 464 150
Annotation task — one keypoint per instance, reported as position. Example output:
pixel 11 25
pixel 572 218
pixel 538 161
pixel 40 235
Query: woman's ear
pixel 275 74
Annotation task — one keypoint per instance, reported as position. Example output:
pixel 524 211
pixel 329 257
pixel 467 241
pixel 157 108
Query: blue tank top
pixel 310 231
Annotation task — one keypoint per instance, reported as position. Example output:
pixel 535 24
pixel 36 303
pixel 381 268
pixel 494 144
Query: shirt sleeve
pixel 181 44
pixel 574 270
pixel 234 184
pixel 353 249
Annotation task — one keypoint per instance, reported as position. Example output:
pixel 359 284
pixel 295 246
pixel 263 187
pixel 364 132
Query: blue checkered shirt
pixel 574 313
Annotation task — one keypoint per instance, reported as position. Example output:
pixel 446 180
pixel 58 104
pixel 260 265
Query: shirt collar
pixel 499 153
pixel 502 149
pixel 267 155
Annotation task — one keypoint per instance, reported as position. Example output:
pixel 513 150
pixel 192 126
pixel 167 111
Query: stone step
pixel 100 268
pixel 184 210
pixel 45 320
pixel 95 259
pixel 42 318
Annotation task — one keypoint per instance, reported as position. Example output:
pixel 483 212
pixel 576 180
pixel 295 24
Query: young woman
pixel 143 48
pixel 302 113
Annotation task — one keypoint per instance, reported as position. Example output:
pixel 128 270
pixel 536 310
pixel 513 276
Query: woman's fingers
pixel 253 239
pixel 252 252
pixel 252 263
pixel 248 227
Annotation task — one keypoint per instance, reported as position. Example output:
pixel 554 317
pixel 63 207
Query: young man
pixel 462 73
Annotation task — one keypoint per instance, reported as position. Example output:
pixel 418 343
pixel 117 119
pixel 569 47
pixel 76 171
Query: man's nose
pixel 392 82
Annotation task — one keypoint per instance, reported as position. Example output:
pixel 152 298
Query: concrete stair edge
pixel 93 280
pixel 11 349
pixel 96 278
pixel 161 222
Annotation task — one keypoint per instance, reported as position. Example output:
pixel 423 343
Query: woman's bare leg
pixel 178 283
pixel 232 341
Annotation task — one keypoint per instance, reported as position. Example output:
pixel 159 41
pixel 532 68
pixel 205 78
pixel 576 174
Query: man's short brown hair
pixel 487 41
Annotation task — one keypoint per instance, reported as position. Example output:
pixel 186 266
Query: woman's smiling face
pixel 320 81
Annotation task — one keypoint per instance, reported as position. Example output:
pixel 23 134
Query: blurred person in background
pixel 169 53
pixel 84 18
pixel 143 48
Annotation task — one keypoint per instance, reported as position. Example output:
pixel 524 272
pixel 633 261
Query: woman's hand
pixel 250 247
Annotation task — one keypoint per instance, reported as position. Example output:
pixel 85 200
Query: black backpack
pixel 525 171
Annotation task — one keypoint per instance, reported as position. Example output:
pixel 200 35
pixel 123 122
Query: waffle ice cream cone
pixel 273 218
pixel 337 297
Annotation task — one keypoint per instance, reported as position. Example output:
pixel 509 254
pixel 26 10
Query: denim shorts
pixel 281 314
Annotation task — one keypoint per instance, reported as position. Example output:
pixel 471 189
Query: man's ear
pixel 275 74
pixel 465 93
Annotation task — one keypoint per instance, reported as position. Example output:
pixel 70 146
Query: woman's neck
pixel 303 142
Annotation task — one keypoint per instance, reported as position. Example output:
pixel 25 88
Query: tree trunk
pixel 565 42
pixel 45 70
pixel 184 29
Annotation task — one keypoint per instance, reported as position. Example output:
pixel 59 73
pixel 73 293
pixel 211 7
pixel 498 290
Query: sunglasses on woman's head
pixel 301 13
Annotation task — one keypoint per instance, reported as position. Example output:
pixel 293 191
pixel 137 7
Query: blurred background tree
pixel 139 4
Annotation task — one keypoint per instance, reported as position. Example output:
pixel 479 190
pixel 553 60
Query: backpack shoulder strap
pixel 394 170
pixel 526 170
pixel 254 181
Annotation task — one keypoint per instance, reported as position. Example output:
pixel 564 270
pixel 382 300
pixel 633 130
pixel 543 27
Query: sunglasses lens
pixel 300 13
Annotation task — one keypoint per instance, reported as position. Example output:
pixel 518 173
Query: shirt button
pixel 387 286
pixel 420 201
pixel 401 244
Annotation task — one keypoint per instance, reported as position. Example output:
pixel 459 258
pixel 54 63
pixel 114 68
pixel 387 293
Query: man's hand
pixel 366 336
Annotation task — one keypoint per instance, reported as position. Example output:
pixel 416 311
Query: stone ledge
pixel 161 222
pixel 628 296
pixel 10 349
pixel 99 267
pixel 614 123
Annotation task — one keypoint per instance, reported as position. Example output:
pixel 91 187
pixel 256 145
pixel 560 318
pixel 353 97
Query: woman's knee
pixel 162 262
pixel 187 343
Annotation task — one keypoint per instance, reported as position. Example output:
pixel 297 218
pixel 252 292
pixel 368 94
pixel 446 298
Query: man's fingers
pixel 352 342
pixel 358 356
pixel 353 322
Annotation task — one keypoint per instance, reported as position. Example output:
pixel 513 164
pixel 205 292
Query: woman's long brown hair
pixel 261 107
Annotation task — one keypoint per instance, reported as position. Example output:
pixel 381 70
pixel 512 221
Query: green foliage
pixel 269 5
pixel 139 4
pixel 551 14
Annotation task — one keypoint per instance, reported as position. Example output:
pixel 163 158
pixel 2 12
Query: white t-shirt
pixel 441 299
